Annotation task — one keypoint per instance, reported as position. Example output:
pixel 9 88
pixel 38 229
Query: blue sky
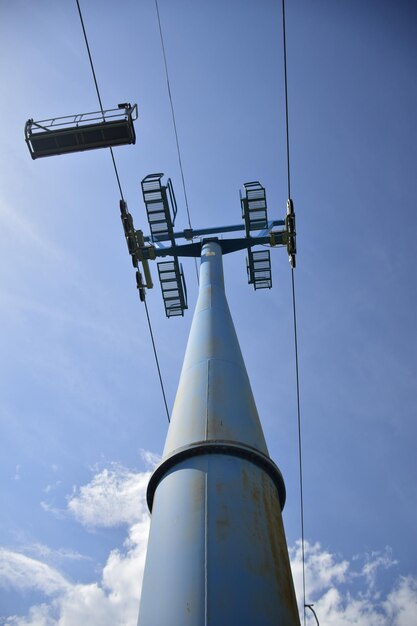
pixel 82 416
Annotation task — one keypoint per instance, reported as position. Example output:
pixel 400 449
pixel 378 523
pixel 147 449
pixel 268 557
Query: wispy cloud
pixel 57 512
pixel 375 562
pixel 401 604
pixel 114 497
pixel 21 572
pixel 22 231
pixel 111 601
pixel 150 459
pixel 52 486
pixel 345 592
pixel 324 568
pixel 48 554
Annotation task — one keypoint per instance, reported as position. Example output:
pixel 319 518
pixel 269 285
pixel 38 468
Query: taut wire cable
pixel 98 92
pixel 157 360
pixel 287 126
pixel 122 197
pixel 174 123
pixel 299 440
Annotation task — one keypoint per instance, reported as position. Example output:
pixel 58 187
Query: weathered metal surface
pixel 190 233
pixel 214 398
pixel 173 591
pixel 248 572
pixel 273 238
pixel 217 552
pixel 204 448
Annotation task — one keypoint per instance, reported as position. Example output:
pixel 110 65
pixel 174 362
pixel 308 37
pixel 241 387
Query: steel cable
pixel 287 132
pixel 98 91
pixel 174 124
pixel 122 197
pixel 156 359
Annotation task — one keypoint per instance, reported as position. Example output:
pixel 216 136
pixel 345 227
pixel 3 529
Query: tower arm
pixel 275 238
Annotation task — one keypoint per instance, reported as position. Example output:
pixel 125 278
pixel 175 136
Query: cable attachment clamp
pixel 136 247
pixel 291 233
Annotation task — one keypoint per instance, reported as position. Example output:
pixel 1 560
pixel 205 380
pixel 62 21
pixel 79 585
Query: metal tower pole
pixel 217 554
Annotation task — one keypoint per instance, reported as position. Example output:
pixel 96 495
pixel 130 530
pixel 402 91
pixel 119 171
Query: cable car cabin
pixel 85 131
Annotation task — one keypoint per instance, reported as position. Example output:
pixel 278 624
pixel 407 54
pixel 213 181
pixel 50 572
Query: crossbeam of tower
pixel 161 208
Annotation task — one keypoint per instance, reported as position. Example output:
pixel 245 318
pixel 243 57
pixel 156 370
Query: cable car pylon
pixel 217 553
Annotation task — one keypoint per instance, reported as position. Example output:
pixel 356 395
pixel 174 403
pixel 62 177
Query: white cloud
pixel 349 596
pixel 401 603
pixel 150 458
pixel 112 601
pixel 344 592
pixel 376 561
pixel 49 555
pixel 22 572
pixel 324 569
pixel 114 497
pixel 52 486
pixel 49 508
pixel 39 615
